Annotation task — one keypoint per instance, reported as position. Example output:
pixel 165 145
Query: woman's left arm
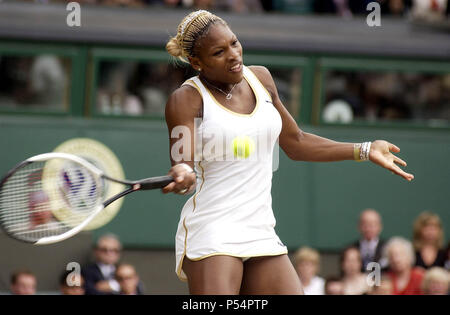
pixel 302 146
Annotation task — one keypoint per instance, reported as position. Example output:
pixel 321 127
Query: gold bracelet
pixel 357 152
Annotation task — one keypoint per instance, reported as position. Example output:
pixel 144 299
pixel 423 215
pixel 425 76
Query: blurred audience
pixel 114 96
pixel 436 281
pixel 370 245
pixel 99 277
pixel 307 264
pixel 71 283
pixel 128 280
pixel 23 282
pixel 348 8
pixel 334 286
pixel 429 10
pixel 428 239
pixel 34 82
pixel 406 279
pixel 354 281
pixel 137 88
pixel 391 95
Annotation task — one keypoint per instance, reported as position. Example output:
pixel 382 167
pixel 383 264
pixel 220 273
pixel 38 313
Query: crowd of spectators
pixel 388 96
pixel 369 266
pixel 106 275
pixel 433 9
pixel 374 266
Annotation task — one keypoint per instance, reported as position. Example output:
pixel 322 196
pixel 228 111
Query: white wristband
pixel 189 170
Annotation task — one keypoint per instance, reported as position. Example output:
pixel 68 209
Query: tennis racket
pixel 53 196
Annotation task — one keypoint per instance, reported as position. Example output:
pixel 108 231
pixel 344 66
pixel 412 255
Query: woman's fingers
pixel 168 188
pixel 182 179
pixel 391 160
pixel 397 170
pixel 393 148
pixel 399 161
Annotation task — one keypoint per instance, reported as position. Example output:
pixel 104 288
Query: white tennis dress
pixel 231 210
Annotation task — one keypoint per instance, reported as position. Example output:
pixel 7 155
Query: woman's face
pixel 306 270
pixel 399 259
pixel 430 232
pixel 352 262
pixel 219 55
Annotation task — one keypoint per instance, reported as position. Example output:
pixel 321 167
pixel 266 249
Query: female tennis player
pixel 226 242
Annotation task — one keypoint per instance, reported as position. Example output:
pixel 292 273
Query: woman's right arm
pixel 182 108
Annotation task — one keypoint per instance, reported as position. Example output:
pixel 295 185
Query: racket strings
pixel 48 198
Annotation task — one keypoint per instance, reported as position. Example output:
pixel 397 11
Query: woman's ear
pixel 195 63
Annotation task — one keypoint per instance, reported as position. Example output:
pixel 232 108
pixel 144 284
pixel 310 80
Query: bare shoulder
pixel 264 75
pixel 184 103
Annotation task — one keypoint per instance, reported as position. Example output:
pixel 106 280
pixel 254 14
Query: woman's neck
pixel 226 87
pixel 352 276
pixel 404 272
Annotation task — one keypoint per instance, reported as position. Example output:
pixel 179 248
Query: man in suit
pixel 370 245
pixel 99 277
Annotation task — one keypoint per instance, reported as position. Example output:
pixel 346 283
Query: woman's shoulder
pixel 261 72
pixel 265 77
pixel 186 96
pixel 184 102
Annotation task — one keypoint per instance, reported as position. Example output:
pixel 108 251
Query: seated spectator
pixel 71 283
pixel 436 281
pixel 385 287
pixel 406 279
pixel 99 276
pixel 307 262
pixel 128 280
pixel 370 245
pixel 334 286
pixel 23 282
pixel 429 10
pixel 354 281
pixel 428 238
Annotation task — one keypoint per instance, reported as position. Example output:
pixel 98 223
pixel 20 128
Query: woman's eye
pixel 235 42
pixel 217 52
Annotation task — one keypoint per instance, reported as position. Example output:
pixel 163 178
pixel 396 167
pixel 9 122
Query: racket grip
pixel 155 182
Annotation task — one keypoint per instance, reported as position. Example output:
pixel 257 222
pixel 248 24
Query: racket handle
pixel 155 182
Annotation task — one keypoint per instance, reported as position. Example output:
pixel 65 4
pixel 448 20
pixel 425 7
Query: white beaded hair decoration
pixel 189 19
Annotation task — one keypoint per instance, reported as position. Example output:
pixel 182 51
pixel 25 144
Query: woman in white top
pixel 226 242
pixel 307 265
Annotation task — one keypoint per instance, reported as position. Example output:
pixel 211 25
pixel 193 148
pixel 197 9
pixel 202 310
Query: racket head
pixel 50 197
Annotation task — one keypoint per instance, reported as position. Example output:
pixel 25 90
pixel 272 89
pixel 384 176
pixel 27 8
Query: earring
pixel 199 69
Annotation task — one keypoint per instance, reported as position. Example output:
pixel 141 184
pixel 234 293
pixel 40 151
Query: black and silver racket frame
pixel 144 184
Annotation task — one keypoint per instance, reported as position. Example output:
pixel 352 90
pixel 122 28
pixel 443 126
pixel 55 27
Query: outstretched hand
pixel 380 153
